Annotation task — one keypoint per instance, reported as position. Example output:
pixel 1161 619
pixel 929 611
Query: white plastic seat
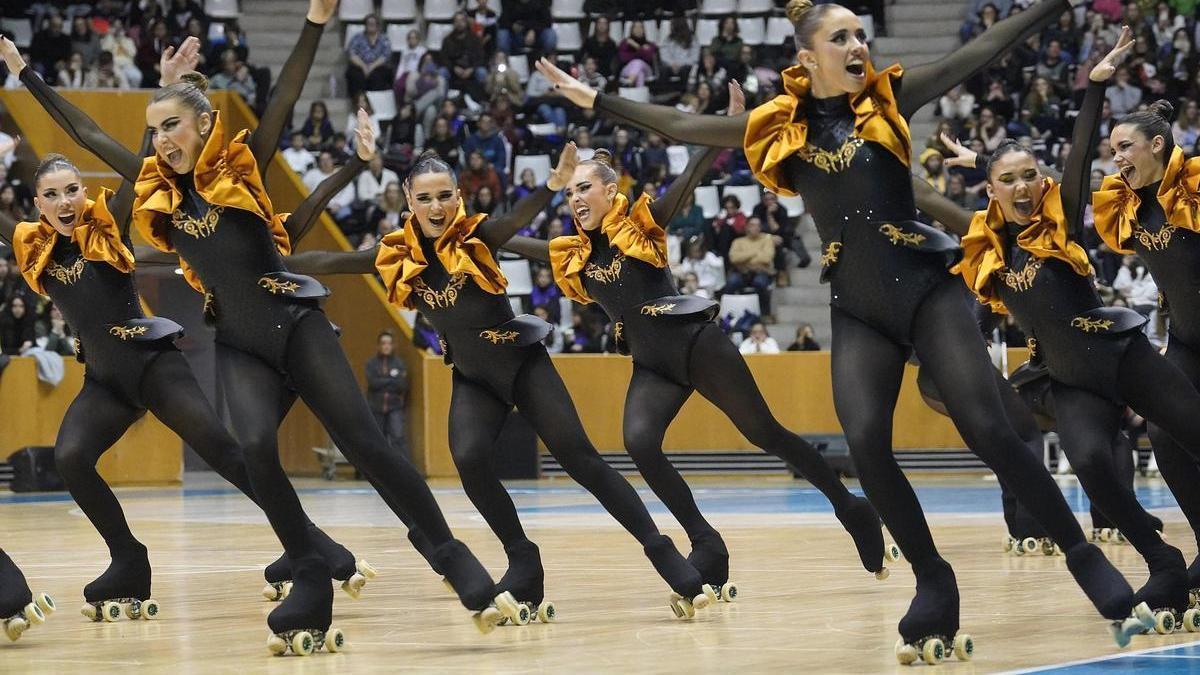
pixel 718 7
pixel 751 7
pixel 570 39
pixel 22 30
pixel 221 9
pixel 677 159
pixel 794 205
pixel 384 104
pixel 443 10
pixel 709 200
pixel 355 10
pixel 435 33
pixel 398 10
pixel 567 9
pixel 639 94
pixel 753 31
pixel 706 30
pixel 737 305
pixel 748 195
pixel 779 29
pixel 352 29
pixel 397 34
pixel 539 163
pixel 520 278
pixel 520 66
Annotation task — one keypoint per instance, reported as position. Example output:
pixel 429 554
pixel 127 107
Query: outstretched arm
pixel 145 255
pixel 954 217
pixel 121 205
pixel 926 82
pixel 333 262
pixel 306 214
pixel 723 132
pixel 264 140
pixel 529 248
pixel 494 232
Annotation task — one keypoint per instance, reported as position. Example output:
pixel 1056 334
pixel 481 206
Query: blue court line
pixel 1156 660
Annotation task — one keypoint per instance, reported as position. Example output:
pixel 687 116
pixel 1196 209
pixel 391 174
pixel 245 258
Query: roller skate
pixel 929 630
pixel 525 580
pixel 123 589
pixel 1194 584
pixel 425 548
pixel 1030 545
pixel 344 567
pixel 300 624
pixel 711 559
pixel 19 609
pixel 475 588
pixel 688 590
pixel 1109 592
pixel 862 522
pixel 1165 592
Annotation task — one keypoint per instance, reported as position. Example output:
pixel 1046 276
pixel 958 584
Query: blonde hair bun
pixel 796 9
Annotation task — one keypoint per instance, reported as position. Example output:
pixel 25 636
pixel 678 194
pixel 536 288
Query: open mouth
pixel 66 218
pixel 1126 171
pixel 857 69
pixel 437 221
pixel 174 156
pixel 581 213
pixel 1023 207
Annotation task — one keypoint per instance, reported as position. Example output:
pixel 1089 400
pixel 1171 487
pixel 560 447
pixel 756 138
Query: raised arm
pixel 306 214
pixel 926 82
pixel 333 262
pixel 930 201
pixel 121 204
pixel 264 140
pixel 714 130
pixel 495 231
pixel 529 248
pixel 146 255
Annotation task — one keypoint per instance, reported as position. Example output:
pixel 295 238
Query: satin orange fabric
pixel 632 231
pixel 1046 236
pixel 778 128
pixel 97 234
pixel 1115 204
pixel 400 258
pixel 225 175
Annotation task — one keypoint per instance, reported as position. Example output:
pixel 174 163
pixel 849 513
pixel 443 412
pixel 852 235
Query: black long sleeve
pixel 82 129
pixel 719 131
pixel 930 201
pixel 121 205
pixel 306 214
pixel 1077 179
pixel 665 209
pixel 333 262
pixel 529 248
pixel 926 82
pixel 494 232
pixel 264 140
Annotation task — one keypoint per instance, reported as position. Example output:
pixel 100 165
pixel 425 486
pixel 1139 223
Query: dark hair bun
pixel 1163 109
pixel 427 155
pixel 603 157
pixel 796 9
pixel 197 80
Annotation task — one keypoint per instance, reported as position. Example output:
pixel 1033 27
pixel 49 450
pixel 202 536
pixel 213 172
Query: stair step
pixel 916 11
pixel 923 27
pixel 929 43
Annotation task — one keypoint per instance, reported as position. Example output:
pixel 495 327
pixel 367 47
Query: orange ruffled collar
pixel 632 231
pixel 401 259
pixel 1046 236
pixel 1115 204
pixel 778 128
pixel 225 175
pixel 97 235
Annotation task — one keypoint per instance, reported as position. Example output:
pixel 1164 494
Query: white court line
pixel 1151 651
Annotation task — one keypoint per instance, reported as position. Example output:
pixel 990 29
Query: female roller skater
pixel 442 263
pixel 1021 256
pixel 840 130
pixel 202 197
pixel 19 610
pixel 80 254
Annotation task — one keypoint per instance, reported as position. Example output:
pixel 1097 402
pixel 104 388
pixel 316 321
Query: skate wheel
pixel 366 569
pixel 547 614
pixel 353 585
pixel 882 574
pixel 964 647
pixel 1029 544
pixel 14 627
pixel 891 553
pixel 1008 544
pixel 683 609
pixel 276 645
pixel 933 651
pixel 150 609
pixel 46 603
pixel 131 611
pixel 1106 534
pixel 33 614
pixel 302 643
pixel 707 597
pixel 1191 620
pixel 1164 623
pixel 89 610
pixel 1143 615
pixel 335 640
pixel 729 591
pixel 487 620
pixel 906 654
pixel 1119 538
pixel 286 590
pixel 272 593
pixel 1018 550
pixel 110 611
pixel 1048 547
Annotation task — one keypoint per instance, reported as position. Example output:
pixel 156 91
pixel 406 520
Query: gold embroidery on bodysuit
pixel 831 161
pixel 1031 345
pixel 125 333
pixel 1155 241
pixel 605 275
pixel 899 236
pixel 442 344
pixel 618 331
pixel 277 287
pixel 78 345
pixel 443 298
pixel 209 307
pixel 197 227
pixel 658 310
pixel 66 275
pixel 497 337
pixel 830 256
pixel 1023 280
pixel 1091 325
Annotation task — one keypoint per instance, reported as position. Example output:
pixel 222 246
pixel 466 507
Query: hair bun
pixel 796 9
pixel 1163 109
pixel 604 157
pixel 427 155
pixel 197 80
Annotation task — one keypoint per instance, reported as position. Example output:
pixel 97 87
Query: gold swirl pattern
pixel 277 287
pixel 1031 345
pixel 66 275
pixel 658 310
pixel 898 236
pixel 197 227
pixel 1023 280
pixel 605 275
pixel 830 256
pixel 1091 325
pixel 125 332
pixel 831 161
pixel 1156 241
pixel 443 298
pixel 499 337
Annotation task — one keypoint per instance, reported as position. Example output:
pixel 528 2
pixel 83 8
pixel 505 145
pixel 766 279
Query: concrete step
pixel 929 43
pixel 929 9
pixel 275 57
pixel 923 27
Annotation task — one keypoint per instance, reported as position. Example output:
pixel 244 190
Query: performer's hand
pixel 963 156
pixel 737 99
pixel 1108 65
pixel 12 56
pixel 575 91
pixel 561 176
pixel 364 136
pixel 174 63
pixel 320 11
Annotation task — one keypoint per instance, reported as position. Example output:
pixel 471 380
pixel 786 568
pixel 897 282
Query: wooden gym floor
pixel 806 604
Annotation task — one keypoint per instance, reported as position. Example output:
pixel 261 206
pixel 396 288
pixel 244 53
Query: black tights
pixel 97 418
pixel 259 397
pixel 476 417
pixel 720 374
pixel 1179 467
pixel 867 372
pixel 1123 466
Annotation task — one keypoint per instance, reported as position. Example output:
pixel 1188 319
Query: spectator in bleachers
pixel 524 24
pixel 123 50
pixel 84 41
pixel 1186 129
pixel 369 54
pixel 485 202
pixel 1043 108
pixel 777 223
pixel 425 336
pixel 478 173
pixel 1135 284
pixel 463 60
pixel 689 221
pixel 16 326
pixel 637 55
pixel 197 29
pixel 150 52
pixel 758 341
pixel 587 333
pixel 233 38
pixel 546 293
pixel 387 213
pixel 730 217
pixel 752 264
pixel 502 81
pixel 10 206
pixel 105 75
pixel 708 267
pixel 444 142
pixel 601 47
pixel 680 51
pixel 409 64
pixel 297 156
pixel 50 49
pixel 707 71
pixel 73 72
pixel 990 129
pixel 592 75
pixel 487 141
pixel 957 103
pixel 371 183
pixel 804 342
pixel 689 284
pixel 317 129
pixel 183 11
pixel 339 205
pixel 483 23
pixel 707 102
pixel 1054 66
pixel 426 91
pixel 361 102
pixel 1103 158
pixel 1179 62
pixel 554 339
pixel 387 392
pixel 339 148
pixel 55 335
pixel 984 16
pixel 727 44
pixel 235 76
pixel 404 135
pixel 1066 34
pixel 1123 95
